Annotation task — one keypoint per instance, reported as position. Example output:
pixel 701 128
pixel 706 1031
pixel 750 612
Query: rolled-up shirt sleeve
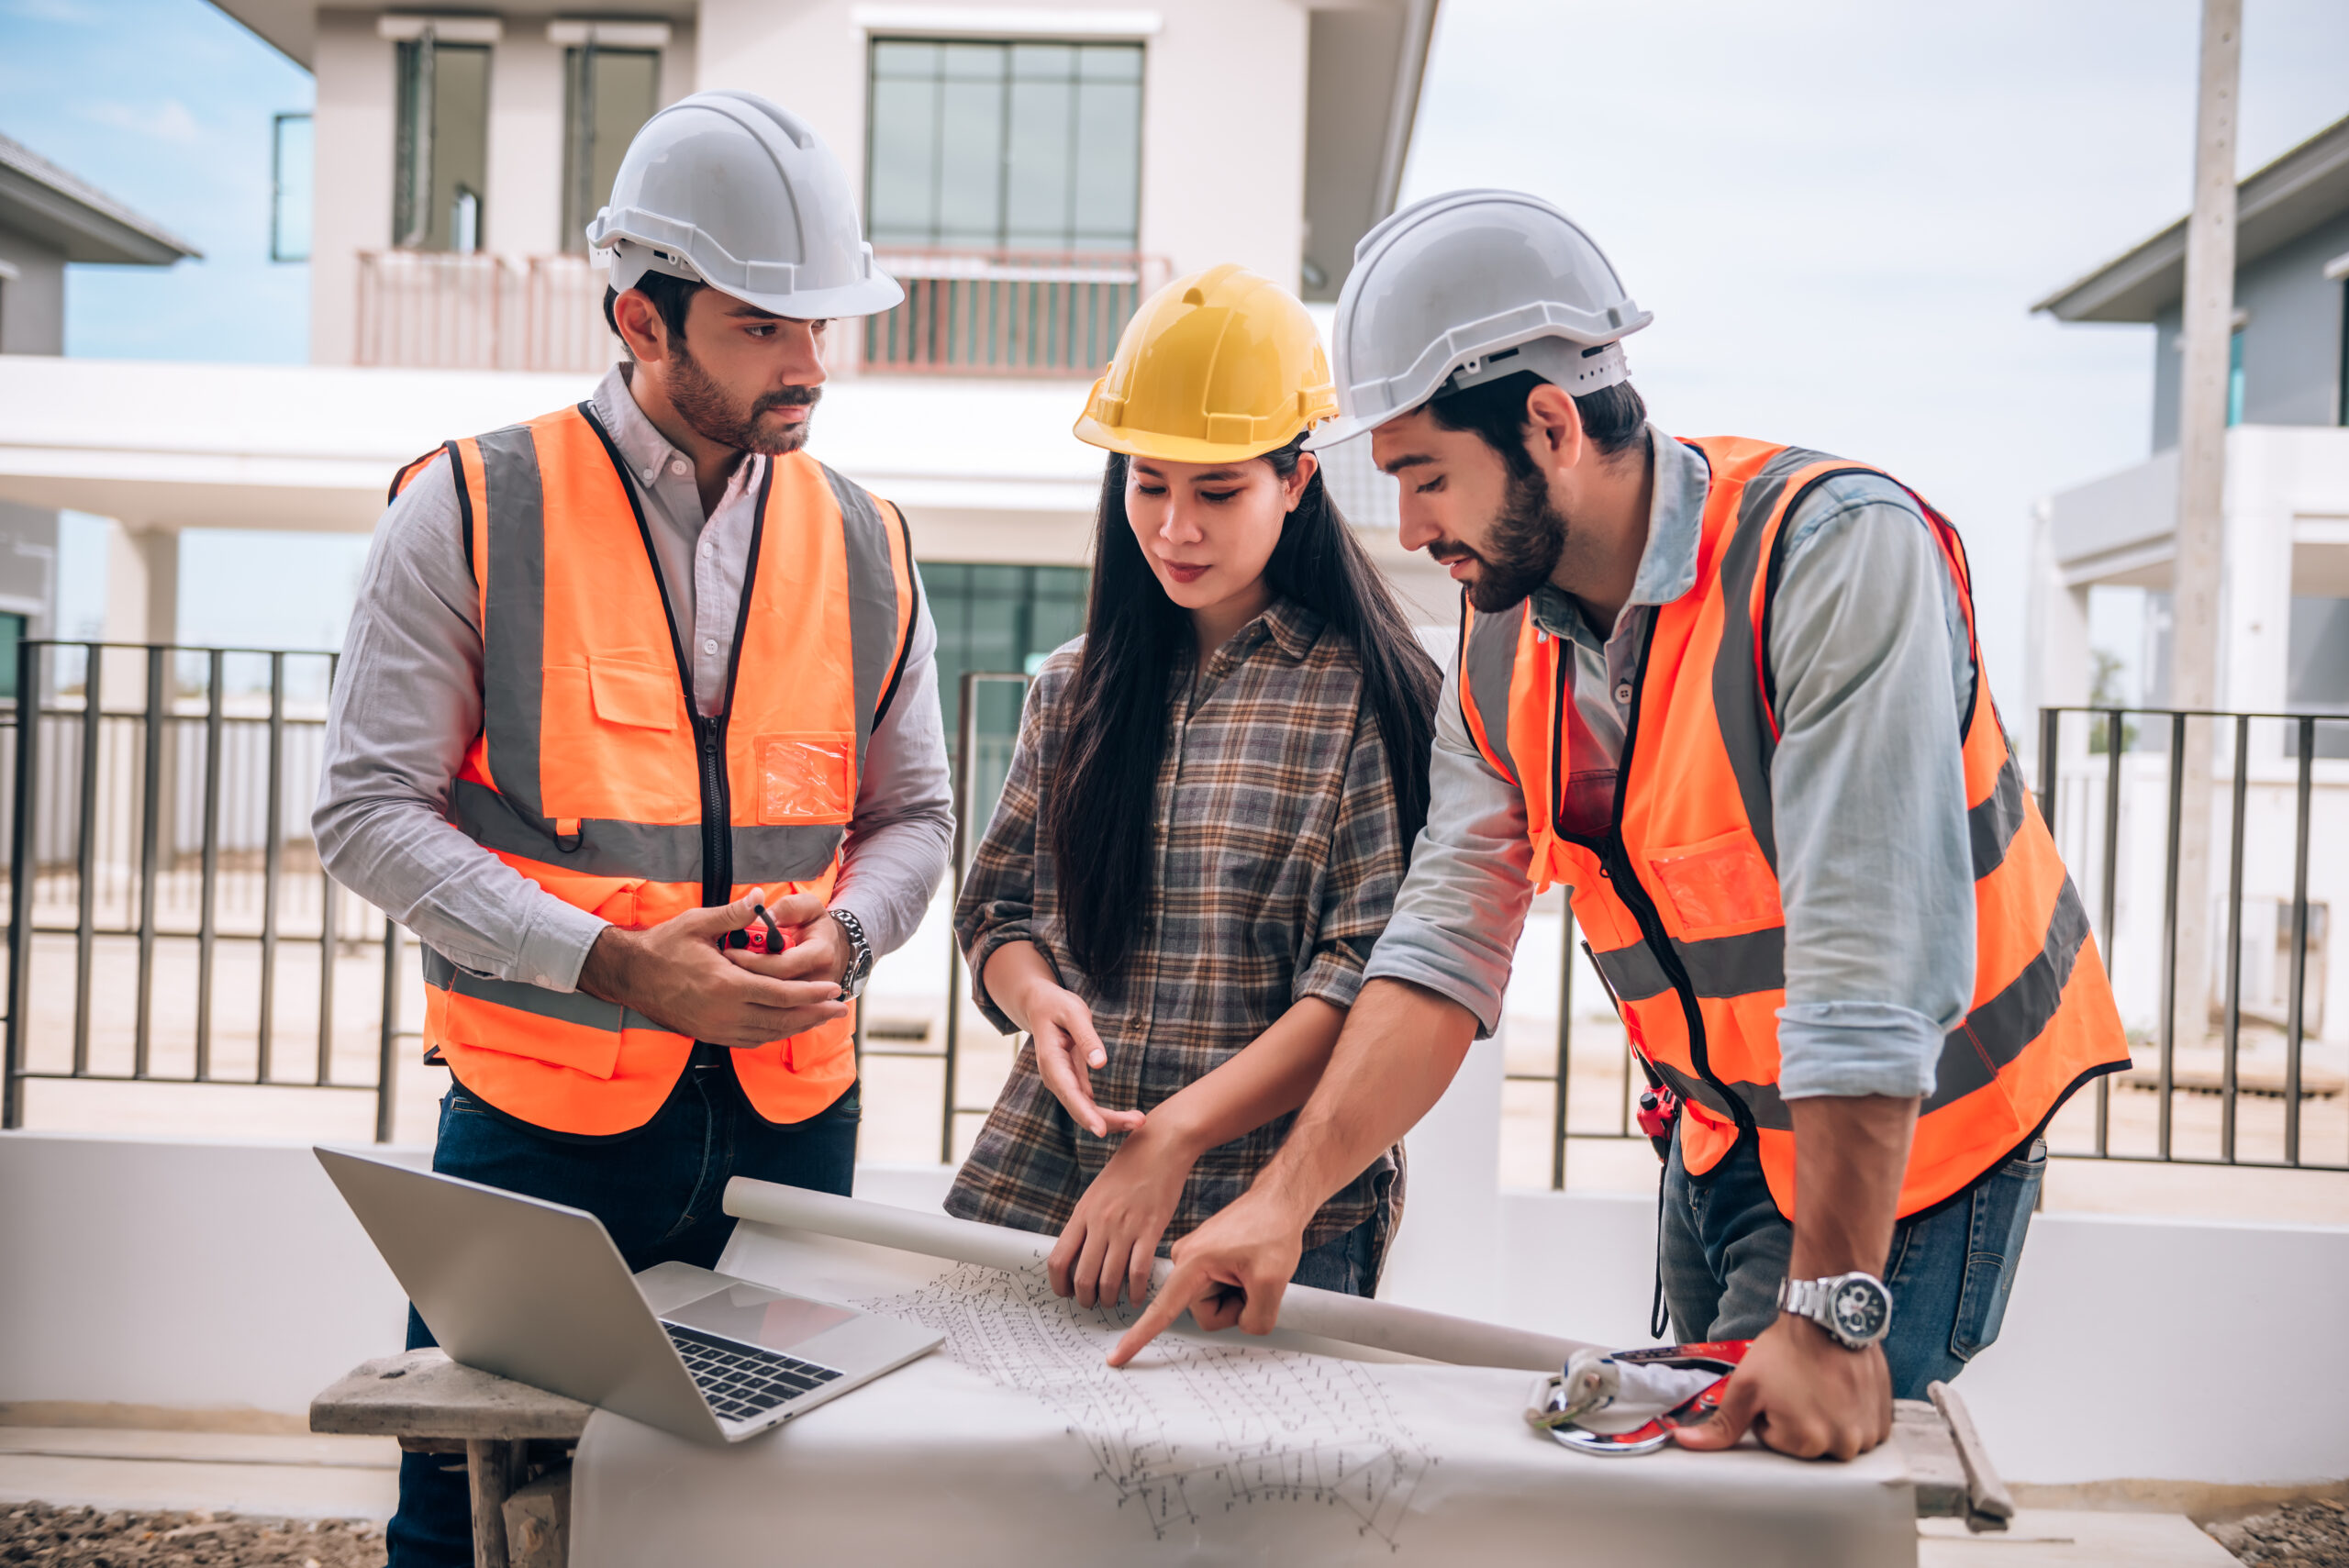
pixel 1462 906
pixel 406 704
pixel 1875 863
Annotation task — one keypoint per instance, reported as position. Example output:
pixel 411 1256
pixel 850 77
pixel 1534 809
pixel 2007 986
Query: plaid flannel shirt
pixel 1278 854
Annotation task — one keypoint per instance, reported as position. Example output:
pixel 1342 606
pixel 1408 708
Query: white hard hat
pixel 730 190
pixel 1467 287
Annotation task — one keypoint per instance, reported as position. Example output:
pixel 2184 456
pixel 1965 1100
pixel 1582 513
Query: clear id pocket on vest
pixel 806 775
pixel 1720 887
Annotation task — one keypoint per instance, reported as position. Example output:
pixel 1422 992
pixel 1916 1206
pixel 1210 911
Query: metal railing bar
pixel 966 726
pixel 388 1033
pixel 20 884
pixel 2115 736
pixel 151 818
pixel 85 856
pixel 2204 713
pixel 1566 1047
pixel 40 1075
pixel 216 678
pixel 326 951
pixel 273 862
pixel 326 653
pixel 2169 927
pixel 2050 735
pixel 2234 944
pixel 2295 1021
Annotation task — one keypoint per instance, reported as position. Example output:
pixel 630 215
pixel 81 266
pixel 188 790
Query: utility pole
pixel 2198 567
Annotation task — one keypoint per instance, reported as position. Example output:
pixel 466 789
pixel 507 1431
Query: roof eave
pixel 83 231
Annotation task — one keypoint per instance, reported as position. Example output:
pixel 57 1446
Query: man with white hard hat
pixel 1727 693
pixel 637 728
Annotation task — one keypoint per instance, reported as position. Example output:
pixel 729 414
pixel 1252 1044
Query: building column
pixel 2056 671
pixel 142 584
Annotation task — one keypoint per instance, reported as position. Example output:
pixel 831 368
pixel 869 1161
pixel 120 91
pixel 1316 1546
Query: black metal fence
pixel 159 845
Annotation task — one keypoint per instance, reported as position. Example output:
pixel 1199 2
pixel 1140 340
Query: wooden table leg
pixel 494 1467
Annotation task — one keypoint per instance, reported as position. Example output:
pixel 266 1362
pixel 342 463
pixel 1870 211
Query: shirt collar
pixel 637 440
pixel 1292 629
pixel 1676 532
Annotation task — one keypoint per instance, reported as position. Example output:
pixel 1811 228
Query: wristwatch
pixel 1854 1309
pixel 860 955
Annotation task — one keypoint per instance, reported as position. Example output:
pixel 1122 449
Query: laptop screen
pixel 749 1316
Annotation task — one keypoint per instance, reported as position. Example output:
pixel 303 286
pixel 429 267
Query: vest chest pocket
pixel 634 695
pixel 807 775
pixel 1720 887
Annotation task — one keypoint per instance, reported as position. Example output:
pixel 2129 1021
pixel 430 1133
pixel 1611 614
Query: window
pixel 2317 670
pixel 2234 378
pixel 443 148
pixel 1005 146
pixel 994 618
pixel 13 629
pixel 608 94
pixel 289 187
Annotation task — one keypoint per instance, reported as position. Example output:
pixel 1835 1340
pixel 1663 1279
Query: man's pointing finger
pixel 1182 1283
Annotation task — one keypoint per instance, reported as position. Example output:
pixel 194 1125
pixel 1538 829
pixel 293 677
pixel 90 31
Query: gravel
pixel 37 1533
pixel 2314 1534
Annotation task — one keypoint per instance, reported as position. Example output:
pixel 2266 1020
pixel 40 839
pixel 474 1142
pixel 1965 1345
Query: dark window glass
pixel 442 170
pixel 997 619
pixel 1029 146
pixel 608 94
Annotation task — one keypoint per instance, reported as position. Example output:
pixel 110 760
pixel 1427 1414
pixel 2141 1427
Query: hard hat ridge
pixel 1466 287
pixel 733 190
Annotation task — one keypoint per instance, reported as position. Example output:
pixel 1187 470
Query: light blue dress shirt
pixel 1867 640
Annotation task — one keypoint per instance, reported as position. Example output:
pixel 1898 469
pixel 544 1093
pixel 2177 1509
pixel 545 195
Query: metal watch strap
pixel 860 955
pixel 1815 1299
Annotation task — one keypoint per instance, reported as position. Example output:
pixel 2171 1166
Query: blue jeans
pixel 656 1190
pixel 1343 1263
pixel 1724 1246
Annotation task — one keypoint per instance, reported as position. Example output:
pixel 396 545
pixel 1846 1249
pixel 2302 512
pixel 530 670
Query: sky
pixel 1839 210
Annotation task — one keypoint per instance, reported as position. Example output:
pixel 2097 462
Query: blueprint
pixel 1220 1427
pixel 1013 1446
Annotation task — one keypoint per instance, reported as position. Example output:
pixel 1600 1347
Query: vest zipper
pixel 717 812
pixel 1615 864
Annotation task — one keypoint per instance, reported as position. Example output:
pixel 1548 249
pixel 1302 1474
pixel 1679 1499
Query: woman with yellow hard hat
pixel 1211 808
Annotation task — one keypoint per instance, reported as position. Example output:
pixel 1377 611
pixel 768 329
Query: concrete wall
pixel 2292 342
pixel 218 1276
pixel 32 302
pixel 1208 110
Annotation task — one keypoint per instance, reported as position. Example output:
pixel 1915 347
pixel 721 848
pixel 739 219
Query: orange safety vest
pixel 1675 879
pixel 596 776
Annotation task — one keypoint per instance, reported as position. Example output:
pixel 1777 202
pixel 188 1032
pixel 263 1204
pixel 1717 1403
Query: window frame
pixel 415 107
pixel 581 200
pixel 1069 240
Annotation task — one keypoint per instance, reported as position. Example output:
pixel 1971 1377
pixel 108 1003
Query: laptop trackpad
pixel 752 1316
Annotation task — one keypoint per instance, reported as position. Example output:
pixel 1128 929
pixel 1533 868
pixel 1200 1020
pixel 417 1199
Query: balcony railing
pixel 439 310
pixel 1008 313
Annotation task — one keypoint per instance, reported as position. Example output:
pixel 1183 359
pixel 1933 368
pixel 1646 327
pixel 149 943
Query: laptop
pixel 537 1292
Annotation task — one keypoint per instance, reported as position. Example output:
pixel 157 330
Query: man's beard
pixel 715 417
pixel 1523 549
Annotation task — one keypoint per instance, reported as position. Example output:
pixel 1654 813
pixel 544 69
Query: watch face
pixel 1862 1310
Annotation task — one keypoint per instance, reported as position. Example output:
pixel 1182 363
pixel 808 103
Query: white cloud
pixel 167 121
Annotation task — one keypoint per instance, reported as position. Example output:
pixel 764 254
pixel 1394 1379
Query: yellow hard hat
pixel 1215 367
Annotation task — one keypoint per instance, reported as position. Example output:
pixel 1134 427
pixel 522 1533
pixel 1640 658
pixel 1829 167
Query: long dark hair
pixel 1101 812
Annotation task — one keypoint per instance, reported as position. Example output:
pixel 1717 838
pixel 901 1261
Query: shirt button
pixel 1623 693
pixel 539 980
pixel 678 467
pixel 709 646
pixel 709 546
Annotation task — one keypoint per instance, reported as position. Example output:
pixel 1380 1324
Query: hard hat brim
pixel 869 296
pixel 1174 449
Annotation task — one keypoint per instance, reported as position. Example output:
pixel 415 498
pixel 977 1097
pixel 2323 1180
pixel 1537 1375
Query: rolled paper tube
pixel 1351 1319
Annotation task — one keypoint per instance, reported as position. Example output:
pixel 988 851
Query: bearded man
pixel 1728 692
pixel 637 728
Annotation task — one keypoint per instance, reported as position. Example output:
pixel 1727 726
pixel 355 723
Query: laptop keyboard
pixel 742 1382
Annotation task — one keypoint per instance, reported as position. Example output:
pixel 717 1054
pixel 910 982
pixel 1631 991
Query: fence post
pixel 86 852
pixel 1565 1043
pixel 388 1033
pixel 966 741
pixel 2295 1017
pixel 22 849
pixel 151 846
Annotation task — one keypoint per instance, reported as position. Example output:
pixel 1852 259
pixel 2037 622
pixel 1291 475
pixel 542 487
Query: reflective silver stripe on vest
pixel 563 1007
pixel 1762 1099
pixel 872 604
pixel 657 852
pixel 2002 1028
pixel 1718 967
pixel 513 630
pixel 1991 827
pixel 1487 665
pixel 1737 679
pixel 509 818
